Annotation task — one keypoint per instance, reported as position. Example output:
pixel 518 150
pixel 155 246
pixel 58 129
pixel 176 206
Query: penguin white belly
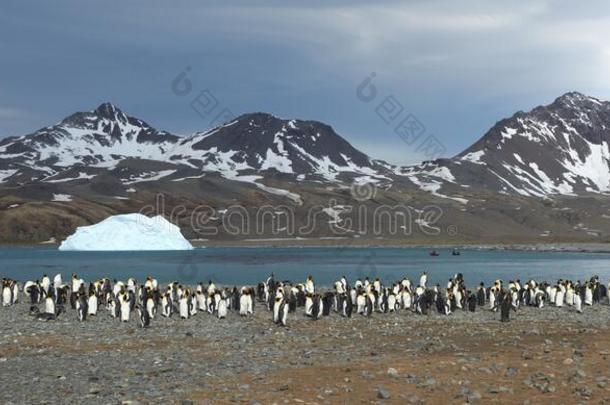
pixel 6 297
pixel 588 296
pixel 184 309
pixel 193 307
pixel 150 308
pixel 45 285
pixel 570 297
pixel 559 299
pixel 577 303
pixel 208 302
pixel 284 318
pixel 458 299
pixel 276 311
pixel 243 305
pixel 392 303
pixel 492 300
pixel 308 306
pixel 165 307
pixel 250 304
pixel 553 295
pixel 92 304
pixel 361 303
pixel 222 309
pixel 201 302
pixel 125 311
pixel 49 306
pixel 406 300
pixel 15 293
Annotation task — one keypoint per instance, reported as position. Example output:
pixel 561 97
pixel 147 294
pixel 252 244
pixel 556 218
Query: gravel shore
pixel 541 355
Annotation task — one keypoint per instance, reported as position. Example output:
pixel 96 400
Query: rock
pixel 526 355
pixel 568 361
pixel 510 372
pixel 392 372
pixel 474 396
pixel 383 393
pixel 414 399
pixel 580 373
pixel 584 391
pixel 430 382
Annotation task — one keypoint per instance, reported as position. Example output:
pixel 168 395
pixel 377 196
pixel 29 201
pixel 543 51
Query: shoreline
pixel 565 247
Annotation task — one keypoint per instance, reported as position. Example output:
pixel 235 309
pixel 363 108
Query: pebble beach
pixel 540 355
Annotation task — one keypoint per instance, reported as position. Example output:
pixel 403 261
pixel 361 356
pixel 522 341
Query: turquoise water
pixel 250 265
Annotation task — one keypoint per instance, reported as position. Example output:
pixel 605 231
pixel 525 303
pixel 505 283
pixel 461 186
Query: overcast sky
pixel 458 67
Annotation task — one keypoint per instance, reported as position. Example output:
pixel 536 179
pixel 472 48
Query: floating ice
pixel 127 232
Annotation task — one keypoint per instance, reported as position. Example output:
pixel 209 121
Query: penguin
pixel 45 284
pixel 423 280
pixel 192 305
pixel 144 315
pixel 559 297
pixel 492 299
pixel 360 303
pixel 406 299
pixel 92 304
pixel 588 294
pixel 7 294
pixel 309 305
pixel 183 307
pixel 391 302
pixel 222 309
pixel 125 306
pixel 276 310
pixel 505 307
pixel 578 302
pixel 327 303
pixel 151 307
pixel 166 305
pixel 81 307
pixel 15 292
pixel 472 302
pixel 368 305
pixel 34 292
pixel 309 285
pixel 283 313
pixel 243 304
pixel 49 305
pixel 347 307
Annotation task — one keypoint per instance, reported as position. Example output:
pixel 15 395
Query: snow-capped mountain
pixel 105 138
pixel 103 162
pixel 263 143
pixel 562 148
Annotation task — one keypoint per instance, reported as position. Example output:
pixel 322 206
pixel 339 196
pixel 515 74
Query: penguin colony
pixel 49 298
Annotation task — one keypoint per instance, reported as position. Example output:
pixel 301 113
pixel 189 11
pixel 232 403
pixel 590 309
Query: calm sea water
pixel 250 265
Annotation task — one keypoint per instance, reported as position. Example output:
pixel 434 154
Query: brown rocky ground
pixel 541 356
